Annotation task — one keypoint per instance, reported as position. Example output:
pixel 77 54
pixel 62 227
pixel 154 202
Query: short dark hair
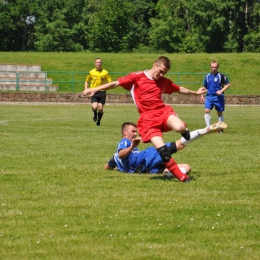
pixel 165 61
pixel 126 124
pixel 214 61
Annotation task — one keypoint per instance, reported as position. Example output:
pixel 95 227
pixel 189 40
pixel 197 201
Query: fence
pixel 26 81
pixel 73 82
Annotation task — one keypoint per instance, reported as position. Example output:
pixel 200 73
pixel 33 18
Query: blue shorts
pixel 215 101
pixel 151 161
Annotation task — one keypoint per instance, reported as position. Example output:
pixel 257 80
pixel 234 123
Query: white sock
pixel 183 170
pixel 193 136
pixel 207 118
pixel 221 119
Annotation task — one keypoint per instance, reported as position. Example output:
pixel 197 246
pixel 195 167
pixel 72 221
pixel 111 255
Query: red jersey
pixel 147 92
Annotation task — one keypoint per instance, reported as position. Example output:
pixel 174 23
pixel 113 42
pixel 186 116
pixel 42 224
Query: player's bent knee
pixel 164 153
pixel 181 128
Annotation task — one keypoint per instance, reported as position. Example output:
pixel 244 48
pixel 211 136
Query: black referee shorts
pixel 99 97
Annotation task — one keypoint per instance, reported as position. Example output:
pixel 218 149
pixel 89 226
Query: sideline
pixel 107 104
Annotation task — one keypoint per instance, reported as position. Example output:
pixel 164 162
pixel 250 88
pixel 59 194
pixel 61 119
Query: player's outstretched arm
pixel 107 86
pixel 187 91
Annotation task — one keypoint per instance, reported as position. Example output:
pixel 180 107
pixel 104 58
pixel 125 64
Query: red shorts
pixel 153 123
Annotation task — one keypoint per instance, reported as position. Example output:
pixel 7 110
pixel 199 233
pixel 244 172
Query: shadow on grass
pixel 163 178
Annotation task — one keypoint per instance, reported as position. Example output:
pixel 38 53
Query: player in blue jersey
pixel 129 159
pixel 215 83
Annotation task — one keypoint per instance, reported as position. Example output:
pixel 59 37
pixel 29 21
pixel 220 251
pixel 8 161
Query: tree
pixel 58 26
pixel 168 28
pixel 130 25
pixel 16 26
pixel 108 26
pixel 252 39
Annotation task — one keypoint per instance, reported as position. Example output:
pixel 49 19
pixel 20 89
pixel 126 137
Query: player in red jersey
pixel 156 117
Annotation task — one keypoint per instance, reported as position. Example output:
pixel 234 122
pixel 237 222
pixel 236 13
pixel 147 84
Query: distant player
pixel 215 83
pixel 98 77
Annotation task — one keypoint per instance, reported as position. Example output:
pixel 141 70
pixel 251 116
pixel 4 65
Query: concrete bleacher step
pixel 18 67
pixel 22 74
pixel 25 78
pixel 26 81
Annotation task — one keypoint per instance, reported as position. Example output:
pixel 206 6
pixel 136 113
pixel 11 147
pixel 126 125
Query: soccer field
pixel 57 202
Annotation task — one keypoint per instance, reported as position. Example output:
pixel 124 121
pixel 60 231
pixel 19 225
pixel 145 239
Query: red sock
pixel 175 170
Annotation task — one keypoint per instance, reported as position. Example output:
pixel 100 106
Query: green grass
pixel 58 203
pixel 243 68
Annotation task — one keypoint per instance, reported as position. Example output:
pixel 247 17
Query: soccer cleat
pixel 217 127
pixel 98 123
pixel 187 180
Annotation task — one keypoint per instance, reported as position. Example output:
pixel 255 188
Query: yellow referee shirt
pixel 98 78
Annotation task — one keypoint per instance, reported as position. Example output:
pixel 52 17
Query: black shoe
pixel 186 134
pixel 95 117
pixel 98 123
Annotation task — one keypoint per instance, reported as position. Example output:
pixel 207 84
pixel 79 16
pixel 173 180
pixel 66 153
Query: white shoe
pixel 217 127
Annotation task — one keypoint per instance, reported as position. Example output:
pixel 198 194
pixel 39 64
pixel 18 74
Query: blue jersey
pixel 214 83
pixel 146 161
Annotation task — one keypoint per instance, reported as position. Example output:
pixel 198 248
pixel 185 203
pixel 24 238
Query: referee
pixel 98 76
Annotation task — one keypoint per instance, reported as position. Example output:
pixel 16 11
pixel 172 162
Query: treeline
pixel 189 26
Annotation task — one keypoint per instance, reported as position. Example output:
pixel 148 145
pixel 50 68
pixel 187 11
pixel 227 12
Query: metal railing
pixel 20 80
pixel 73 82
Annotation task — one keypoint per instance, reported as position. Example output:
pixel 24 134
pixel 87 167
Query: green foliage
pixel 252 42
pixel 57 202
pixel 130 26
pixel 118 26
pixel 107 28
pixel 58 25
pixel 167 29
pixel 252 39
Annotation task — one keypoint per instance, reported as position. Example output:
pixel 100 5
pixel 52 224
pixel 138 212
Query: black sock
pixel 99 116
pixel 95 112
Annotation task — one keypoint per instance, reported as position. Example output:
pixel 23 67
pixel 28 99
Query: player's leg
pixel 168 161
pixel 101 104
pixel 220 116
pixel 220 107
pixel 180 144
pixel 207 117
pixel 208 106
pixel 100 113
pixel 185 168
pixel 94 105
pixel 176 124
pixel 220 119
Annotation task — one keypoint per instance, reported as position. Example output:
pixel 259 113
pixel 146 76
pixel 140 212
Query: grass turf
pixel 58 203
